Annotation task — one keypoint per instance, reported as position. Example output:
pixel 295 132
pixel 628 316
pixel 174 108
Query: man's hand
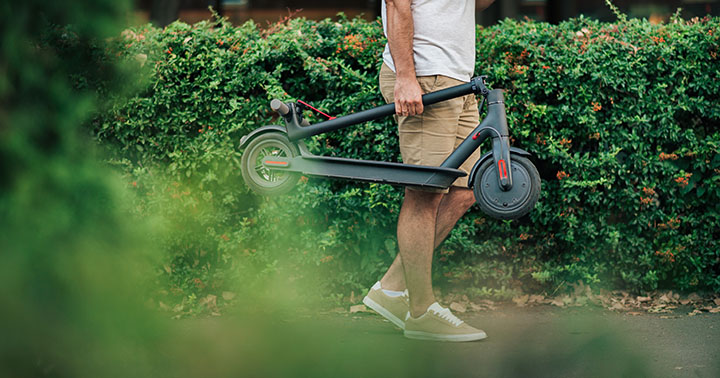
pixel 408 96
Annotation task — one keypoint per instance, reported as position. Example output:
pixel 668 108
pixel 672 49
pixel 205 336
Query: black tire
pixel 265 181
pixel 512 204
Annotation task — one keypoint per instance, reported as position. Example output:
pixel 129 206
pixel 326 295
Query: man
pixel 431 46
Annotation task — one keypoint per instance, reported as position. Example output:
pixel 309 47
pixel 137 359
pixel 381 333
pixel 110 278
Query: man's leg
pixel 420 211
pixel 416 239
pixel 452 207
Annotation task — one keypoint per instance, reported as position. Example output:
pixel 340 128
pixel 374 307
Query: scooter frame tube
pixel 296 132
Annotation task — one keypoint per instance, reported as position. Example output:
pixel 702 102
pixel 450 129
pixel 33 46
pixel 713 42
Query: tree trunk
pixel 163 12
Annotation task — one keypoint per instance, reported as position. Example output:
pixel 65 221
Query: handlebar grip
pixel 279 107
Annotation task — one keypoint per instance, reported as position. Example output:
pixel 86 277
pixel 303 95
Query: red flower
pixel 664 156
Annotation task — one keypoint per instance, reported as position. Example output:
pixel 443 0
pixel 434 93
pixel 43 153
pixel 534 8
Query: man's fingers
pixel 414 107
pixel 419 108
pixel 408 107
pixel 408 97
pixel 402 108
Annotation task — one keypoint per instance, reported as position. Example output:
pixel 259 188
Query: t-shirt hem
pixel 433 72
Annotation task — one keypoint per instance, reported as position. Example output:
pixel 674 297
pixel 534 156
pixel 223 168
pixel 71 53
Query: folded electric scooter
pixel 505 183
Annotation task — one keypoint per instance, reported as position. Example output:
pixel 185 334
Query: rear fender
pixel 262 130
pixel 302 147
pixel 488 155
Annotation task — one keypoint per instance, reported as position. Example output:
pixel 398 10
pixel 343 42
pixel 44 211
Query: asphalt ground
pixel 535 341
pixel 546 341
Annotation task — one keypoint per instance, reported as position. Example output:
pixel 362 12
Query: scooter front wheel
pixel 260 179
pixel 511 204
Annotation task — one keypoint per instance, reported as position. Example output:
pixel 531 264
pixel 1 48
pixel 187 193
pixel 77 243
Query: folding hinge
pixel 478 85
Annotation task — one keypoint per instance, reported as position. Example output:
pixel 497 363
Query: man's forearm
pixel 400 36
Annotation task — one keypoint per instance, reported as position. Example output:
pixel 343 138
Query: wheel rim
pixel 511 201
pixel 261 175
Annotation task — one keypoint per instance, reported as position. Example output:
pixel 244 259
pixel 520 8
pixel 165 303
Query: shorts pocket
pixel 428 83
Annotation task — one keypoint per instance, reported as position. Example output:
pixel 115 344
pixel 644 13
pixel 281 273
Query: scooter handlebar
pixel 279 107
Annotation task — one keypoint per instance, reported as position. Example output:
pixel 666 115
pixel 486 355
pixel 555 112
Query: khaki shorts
pixel 429 138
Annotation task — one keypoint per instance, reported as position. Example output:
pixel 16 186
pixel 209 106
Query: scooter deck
pixel 367 170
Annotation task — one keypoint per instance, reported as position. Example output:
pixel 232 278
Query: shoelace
pixel 447 315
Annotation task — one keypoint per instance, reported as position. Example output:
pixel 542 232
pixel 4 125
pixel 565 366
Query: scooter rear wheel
pixel 260 179
pixel 516 202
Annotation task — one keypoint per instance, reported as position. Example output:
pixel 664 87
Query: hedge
pixel 622 119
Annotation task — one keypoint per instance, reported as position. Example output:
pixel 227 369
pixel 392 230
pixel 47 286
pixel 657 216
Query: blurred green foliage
pixel 622 119
pixel 73 265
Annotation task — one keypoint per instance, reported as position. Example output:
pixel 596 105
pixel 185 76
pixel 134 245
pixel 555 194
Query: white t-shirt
pixel 444 41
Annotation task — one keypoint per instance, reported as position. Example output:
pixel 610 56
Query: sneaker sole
pixel 385 313
pixel 419 335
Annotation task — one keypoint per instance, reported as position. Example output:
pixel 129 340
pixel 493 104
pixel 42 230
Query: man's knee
pixel 463 196
pixel 419 198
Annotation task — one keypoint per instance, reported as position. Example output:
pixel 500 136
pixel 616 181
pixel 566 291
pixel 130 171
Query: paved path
pixel 547 342
pixel 525 342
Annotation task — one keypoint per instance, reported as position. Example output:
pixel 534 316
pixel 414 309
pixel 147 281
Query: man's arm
pixel 408 95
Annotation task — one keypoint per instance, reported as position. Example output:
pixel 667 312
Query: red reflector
pixel 502 167
pixel 270 162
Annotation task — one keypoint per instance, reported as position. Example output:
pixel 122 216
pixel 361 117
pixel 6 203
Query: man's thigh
pixel 429 138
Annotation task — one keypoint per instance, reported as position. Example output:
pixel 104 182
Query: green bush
pixel 622 119
pixel 74 267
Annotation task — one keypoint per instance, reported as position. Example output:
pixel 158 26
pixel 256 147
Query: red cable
pixel 329 117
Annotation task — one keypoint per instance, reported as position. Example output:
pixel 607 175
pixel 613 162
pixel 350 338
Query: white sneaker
pixel 439 324
pixel 393 309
